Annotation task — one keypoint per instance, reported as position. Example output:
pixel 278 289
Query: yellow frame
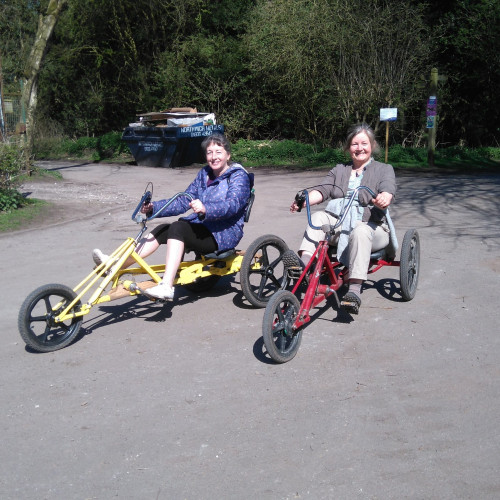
pixel 110 272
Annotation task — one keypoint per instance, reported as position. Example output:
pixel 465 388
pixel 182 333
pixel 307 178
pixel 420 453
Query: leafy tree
pixel 18 24
pixel 333 62
pixel 467 48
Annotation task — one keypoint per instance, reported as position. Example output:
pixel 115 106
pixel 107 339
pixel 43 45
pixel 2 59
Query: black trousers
pixel 196 237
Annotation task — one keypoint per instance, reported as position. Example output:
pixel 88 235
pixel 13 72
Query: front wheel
pixel 36 321
pixel 280 339
pixel 262 272
pixel 409 266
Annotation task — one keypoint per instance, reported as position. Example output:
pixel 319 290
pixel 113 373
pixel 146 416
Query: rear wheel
pixel 36 321
pixel 281 341
pixel 409 266
pixel 262 271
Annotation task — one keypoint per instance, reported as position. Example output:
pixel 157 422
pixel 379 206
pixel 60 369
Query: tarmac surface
pixel 181 401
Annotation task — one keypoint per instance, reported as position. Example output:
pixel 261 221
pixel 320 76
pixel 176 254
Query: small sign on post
pixel 431 111
pixel 388 115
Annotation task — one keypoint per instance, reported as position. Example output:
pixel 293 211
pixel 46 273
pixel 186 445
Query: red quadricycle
pixel 286 316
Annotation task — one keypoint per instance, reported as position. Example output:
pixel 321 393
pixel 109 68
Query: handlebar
pixel 304 195
pixel 146 199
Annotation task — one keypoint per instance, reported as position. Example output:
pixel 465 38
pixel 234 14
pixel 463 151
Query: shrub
pixel 400 155
pixel 107 146
pixel 11 199
pixel 285 152
pixel 13 163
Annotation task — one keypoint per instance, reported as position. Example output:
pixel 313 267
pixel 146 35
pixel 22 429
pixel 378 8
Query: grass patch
pixel 111 148
pixel 22 217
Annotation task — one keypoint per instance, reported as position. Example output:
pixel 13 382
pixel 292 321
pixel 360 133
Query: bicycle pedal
pixel 294 272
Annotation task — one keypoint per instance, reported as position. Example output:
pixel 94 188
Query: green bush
pixel 11 199
pixel 488 156
pixel 401 155
pixel 107 146
pixel 328 156
pixel 286 152
pixel 13 164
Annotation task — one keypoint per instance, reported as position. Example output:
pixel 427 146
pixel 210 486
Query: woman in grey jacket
pixel 368 231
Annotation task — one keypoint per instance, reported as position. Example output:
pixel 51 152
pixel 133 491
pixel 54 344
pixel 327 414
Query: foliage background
pixel 270 69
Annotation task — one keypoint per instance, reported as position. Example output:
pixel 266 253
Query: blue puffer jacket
pixel 225 200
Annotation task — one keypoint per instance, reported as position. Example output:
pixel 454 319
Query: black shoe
pixel 293 265
pixel 351 302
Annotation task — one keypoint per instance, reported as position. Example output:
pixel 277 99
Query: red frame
pixel 317 293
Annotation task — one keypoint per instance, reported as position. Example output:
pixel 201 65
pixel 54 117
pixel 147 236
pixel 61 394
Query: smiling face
pixel 360 149
pixel 217 158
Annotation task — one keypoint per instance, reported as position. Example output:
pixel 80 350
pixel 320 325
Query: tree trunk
pixel 46 24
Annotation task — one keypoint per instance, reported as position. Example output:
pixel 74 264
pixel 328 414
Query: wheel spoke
pixel 35 319
pixel 275 262
pixel 265 257
pixel 282 343
pixel 48 305
pixel 276 281
pixel 262 285
pixel 46 334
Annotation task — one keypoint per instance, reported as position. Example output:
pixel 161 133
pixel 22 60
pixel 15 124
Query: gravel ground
pixel 181 401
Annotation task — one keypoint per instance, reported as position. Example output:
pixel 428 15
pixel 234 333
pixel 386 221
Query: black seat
pixel 220 254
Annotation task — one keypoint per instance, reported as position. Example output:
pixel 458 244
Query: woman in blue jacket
pixel 220 192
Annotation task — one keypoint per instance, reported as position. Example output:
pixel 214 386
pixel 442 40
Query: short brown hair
pixel 357 129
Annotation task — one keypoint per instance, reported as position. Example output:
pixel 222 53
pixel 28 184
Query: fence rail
pixel 14 120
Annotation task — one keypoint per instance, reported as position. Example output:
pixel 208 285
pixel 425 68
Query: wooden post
pixel 386 140
pixel 2 109
pixel 431 144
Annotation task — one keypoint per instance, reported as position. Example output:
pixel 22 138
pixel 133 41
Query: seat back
pixel 251 198
pixel 390 250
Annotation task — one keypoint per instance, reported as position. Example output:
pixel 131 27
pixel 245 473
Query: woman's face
pixel 360 149
pixel 217 158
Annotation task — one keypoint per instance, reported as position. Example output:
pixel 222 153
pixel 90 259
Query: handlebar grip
pixel 300 197
pixel 146 198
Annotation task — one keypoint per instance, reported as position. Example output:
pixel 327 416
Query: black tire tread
pixel 409 266
pixel 280 297
pixel 27 306
pixel 247 262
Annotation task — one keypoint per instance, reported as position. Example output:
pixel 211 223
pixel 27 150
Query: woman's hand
pixel 147 208
pixel 382 200
pixel 315 197
pixel 198 207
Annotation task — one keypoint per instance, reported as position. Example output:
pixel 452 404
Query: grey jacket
pixel 379 177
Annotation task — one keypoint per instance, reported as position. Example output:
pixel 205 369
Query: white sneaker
pixel 99 257
pixel 161 291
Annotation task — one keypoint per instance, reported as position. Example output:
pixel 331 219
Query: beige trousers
pixel 364 239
